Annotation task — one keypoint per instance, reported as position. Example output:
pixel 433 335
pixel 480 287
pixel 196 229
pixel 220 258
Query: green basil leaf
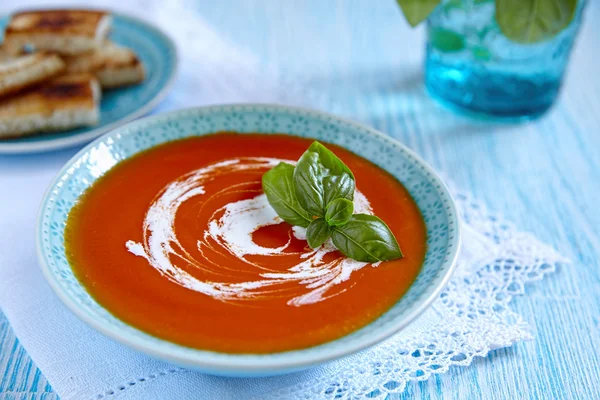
pixel 531 21
pixel 339 212
pixel 446 40
pixel 416 11
pixel 278 185
pixel 317 233
pixel 338 187
pixel 320 177
pixel 366 238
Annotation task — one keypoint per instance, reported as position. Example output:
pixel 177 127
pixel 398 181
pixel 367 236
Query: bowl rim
pixel 251 362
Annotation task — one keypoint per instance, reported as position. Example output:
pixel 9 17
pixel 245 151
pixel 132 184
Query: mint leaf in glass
pixel 531 21
pixel 446 40
pixel 416 11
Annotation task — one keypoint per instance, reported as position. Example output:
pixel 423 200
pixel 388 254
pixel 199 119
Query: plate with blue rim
pixel 159 56
pixel 92 162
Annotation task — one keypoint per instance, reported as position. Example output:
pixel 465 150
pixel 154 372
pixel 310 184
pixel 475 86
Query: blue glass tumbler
pixel 471 66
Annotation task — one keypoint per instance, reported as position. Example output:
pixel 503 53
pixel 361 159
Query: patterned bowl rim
pixel 8 147
pixel 221 363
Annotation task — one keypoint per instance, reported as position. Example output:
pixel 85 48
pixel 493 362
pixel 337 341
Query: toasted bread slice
pixel 61 31
pixel 65 102
pixel 27 70
pixel 114 65
pixel 5 55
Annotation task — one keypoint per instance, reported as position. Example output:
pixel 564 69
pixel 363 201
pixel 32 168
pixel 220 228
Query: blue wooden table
pixel 544 176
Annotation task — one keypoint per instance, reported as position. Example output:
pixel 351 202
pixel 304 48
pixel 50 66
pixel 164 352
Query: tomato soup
pixel 180 242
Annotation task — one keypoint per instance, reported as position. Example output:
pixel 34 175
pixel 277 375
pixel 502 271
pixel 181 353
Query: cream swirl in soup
pixel 230 229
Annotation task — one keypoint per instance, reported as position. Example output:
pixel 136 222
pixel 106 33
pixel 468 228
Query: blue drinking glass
pixel 470 65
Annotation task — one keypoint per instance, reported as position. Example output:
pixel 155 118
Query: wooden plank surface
pixel 544 176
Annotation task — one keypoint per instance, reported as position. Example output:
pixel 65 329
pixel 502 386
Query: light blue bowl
pixel 425 186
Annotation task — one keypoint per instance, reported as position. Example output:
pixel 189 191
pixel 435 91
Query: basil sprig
pixel 522 21
pixel 317 194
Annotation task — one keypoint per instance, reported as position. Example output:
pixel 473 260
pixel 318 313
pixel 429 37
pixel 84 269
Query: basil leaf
pixel 339 212
pixel 339 187
pixel 278 185
pixel 320 177
pixel 530 21
pixel 366 238
pixel 317 233
pixel 416 11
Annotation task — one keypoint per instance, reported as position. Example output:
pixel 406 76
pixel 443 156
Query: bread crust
pixel 23 71
pixel 62 31
pixel 112 64
pixel 65 102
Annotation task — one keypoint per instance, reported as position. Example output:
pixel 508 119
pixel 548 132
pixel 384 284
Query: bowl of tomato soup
pixel 159 235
